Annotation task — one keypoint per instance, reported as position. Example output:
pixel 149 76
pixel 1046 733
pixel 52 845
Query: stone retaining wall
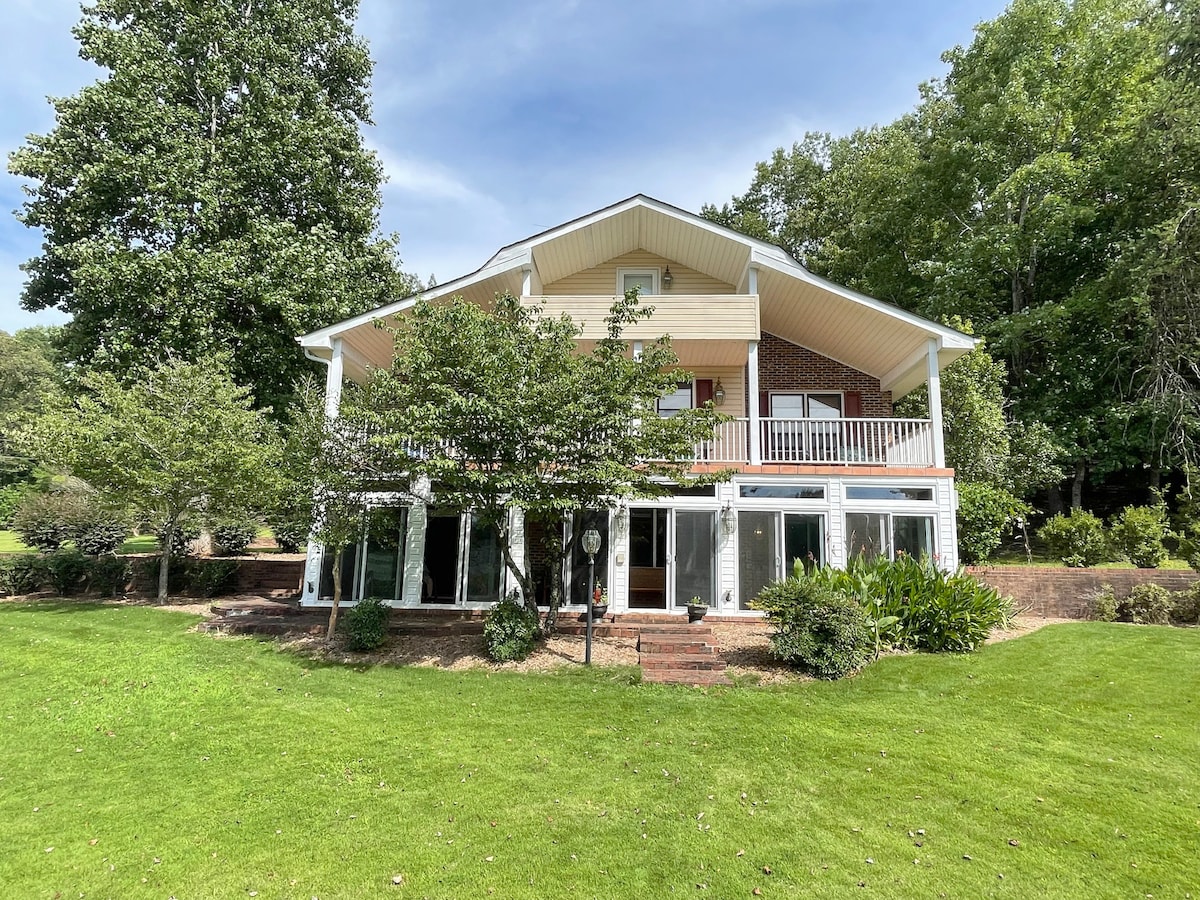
pixel 1063 593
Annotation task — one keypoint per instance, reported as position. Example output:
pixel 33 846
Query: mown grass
pixel 10 542
pixel 140 760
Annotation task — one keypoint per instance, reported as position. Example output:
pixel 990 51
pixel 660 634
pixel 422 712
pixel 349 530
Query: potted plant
pixel 696 610
pixel 599 601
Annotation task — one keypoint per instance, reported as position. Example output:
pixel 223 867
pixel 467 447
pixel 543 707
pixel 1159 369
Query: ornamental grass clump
pixel 511 630
pixel 818 630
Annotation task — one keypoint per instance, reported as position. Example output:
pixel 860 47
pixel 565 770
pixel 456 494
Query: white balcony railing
pixel 845 442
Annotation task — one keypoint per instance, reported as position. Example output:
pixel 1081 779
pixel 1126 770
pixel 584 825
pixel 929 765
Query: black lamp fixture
pixel 719 394
pixel 667 278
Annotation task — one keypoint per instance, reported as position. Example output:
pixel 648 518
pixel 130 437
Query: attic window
pixel 645 280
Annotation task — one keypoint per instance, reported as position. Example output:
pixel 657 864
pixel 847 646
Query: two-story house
pixel 806 370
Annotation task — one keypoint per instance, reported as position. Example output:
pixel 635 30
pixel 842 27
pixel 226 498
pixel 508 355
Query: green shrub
pixel 1077 539
pixel 1102 604
pixel 816 629
pixel 366 624
pixel 22 573
pixel 932 610
pixel 290 528
pixel 211 577
pixel 1147 604
pixel 66 570
pixel 103 534
pixel 985 513
pixel 233 537
pixel 47 521
pixel 511 630
pixel 186 534
pixel 178 578
pixel 107 576
pixel 1185 605
pixel 1137 533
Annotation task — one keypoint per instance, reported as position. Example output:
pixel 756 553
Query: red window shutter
pixel 854 409
pixel 704 391
pixel 764 403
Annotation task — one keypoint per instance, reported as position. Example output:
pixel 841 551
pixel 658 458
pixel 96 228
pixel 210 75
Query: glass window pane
pixel 439 575
pixel 787 406
pixel 384 559
pixel 484 565
pixel 756 554
pixel 349 568
pixel 583 520
pixel 804 540
pixel 671 404
pixel 782 491
pixel 824 406
pixel 880 492
pixel 643 282
pixel 913 535
pixel 695 556
pixel 867 535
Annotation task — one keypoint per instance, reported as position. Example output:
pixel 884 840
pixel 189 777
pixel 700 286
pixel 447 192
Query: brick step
pixel 681 662
pixel 684 676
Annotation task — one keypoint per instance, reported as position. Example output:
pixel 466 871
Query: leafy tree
pixel 30 379
pixel 179 439
pixel 498 408
pixel 1040 189
pixel 212 192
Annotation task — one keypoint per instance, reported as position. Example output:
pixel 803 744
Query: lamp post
pixel 591 544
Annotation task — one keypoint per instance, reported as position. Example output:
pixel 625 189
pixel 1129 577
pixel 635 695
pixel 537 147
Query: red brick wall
pixel 266 575
pixel 1063 593
pixel 783 366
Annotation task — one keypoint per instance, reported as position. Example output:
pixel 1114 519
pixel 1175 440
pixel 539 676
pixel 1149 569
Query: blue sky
pixel 496 120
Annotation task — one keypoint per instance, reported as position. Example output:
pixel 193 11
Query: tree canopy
pixel 1045 189
pixel 212 191
pixel 180 440
pixel 499 408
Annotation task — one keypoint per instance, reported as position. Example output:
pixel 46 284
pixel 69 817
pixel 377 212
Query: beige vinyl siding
pixel 602 279
pixel 733 380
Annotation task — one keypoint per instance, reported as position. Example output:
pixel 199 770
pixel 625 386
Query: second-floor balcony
pixel 837 442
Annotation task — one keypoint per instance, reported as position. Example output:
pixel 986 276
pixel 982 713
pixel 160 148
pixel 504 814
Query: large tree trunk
pixel 337 594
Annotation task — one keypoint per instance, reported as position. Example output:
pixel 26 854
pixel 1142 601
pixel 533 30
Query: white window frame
pixel 654 274
pixel 806 395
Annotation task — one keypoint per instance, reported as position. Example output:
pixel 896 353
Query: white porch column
pixel 752 401
pixel 934 381
pixel 527 282
pixel 333 380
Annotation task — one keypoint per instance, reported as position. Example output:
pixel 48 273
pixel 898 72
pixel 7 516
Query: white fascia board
pixel 946 337
pixel 503 263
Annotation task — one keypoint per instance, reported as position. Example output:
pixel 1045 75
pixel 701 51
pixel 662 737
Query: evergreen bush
pixel 816 629
pixel 1185 606
pixel 66 570
pixel 22 573
pixel 366 624
pixel 1102 604
pixel 511 630
pixel 1077 539
pixel 1148 604
pixel 107 576
pixel 232 537
pixel 186 534
pixel 210 577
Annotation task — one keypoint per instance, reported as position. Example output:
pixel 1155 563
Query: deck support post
pixel 934 380
pixel 752 400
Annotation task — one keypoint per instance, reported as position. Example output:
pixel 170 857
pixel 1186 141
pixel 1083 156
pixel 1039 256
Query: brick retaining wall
pixel 266 575
pixel 1063 593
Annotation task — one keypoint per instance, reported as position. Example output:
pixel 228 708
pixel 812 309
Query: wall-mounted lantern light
pixel 667 278
pixel 719 394
pixel 728 519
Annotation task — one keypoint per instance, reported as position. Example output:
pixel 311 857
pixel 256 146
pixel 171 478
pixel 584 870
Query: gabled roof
pixel 875 337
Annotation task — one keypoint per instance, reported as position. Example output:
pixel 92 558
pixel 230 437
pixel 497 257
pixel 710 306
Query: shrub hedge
pixel 511 630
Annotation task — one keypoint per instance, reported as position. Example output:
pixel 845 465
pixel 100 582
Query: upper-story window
pixel 806 406
pixel 645 280
pixel 671 404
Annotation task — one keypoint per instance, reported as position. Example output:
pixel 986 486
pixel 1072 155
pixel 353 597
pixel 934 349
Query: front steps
pixel 680 654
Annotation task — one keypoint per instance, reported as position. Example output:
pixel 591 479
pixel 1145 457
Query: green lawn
pixel 145 543
pixel 139 760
